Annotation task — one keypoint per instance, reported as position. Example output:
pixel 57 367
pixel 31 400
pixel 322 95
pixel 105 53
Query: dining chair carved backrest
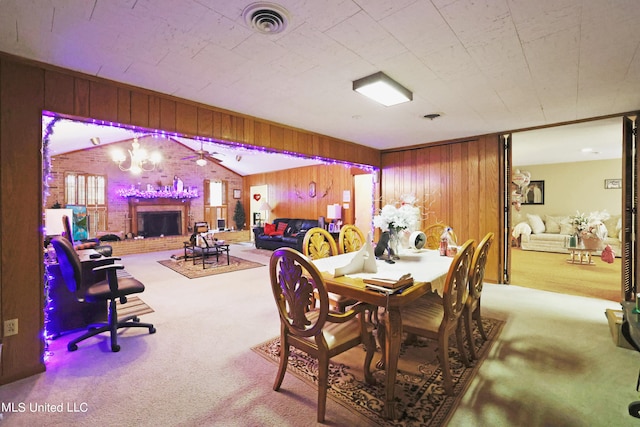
pixel 350 239
pixel 437 318
pixel 319 243
pixel 476 278
pixel 434 233
pixel 318 332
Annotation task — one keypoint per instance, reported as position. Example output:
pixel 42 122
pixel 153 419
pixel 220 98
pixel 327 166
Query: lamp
pixel 381 88
pixel 201 162
pixel 139 161
pixel 334 212
pixel 267 208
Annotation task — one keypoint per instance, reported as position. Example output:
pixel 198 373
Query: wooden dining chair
pixel 437 318
pixel 350 239
pixel 318 332
pixel 319 243
pixel 434 233
pixel 476 277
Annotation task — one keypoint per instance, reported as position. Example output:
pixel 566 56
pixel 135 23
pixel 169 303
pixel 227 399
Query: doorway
pixel 259 205
pixel 363 203
pixel 572 164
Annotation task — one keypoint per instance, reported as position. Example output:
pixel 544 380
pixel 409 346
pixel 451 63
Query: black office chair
pixel 110 290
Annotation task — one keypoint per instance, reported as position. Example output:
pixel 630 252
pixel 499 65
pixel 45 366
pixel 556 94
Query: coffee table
pixel 582 256
pixel 217 250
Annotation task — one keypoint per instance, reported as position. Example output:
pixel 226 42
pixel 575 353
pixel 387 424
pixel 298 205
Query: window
pixel 90 191
pixel 217 193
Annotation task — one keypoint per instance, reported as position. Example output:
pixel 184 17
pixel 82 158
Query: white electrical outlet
pixel 10 327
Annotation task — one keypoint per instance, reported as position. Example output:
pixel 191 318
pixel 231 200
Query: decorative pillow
pixel 537 226
pixel 619 228
pixel 281 227
pixel 613 224
pixel 566 228
pixel 552 223
pixel 269 228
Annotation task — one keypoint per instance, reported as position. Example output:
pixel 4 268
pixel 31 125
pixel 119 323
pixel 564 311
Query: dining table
pixel 429 271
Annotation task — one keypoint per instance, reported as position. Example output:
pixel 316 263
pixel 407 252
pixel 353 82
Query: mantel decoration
pixel 158 194
pixel 398 219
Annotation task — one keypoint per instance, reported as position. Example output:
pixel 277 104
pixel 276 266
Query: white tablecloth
pixel 424 265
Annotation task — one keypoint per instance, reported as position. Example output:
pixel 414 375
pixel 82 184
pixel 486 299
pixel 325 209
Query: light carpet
pixel 188 269
pixel 419 390
pixel 551 272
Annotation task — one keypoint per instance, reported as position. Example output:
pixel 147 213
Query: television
pixel 222 225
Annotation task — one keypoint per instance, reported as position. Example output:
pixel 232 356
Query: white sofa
pixel 548 233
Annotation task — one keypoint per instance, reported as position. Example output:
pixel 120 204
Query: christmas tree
pixel 239 216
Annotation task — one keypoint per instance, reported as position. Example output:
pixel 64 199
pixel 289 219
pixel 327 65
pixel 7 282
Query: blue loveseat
pixel 282 232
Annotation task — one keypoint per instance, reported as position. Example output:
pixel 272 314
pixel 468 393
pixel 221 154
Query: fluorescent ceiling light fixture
pixel 381 88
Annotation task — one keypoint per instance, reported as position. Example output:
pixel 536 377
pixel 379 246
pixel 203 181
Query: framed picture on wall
pixel 612 184
pixel 533 194
pixel 236 194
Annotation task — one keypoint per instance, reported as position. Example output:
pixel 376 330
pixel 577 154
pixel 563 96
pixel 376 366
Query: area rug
pixel 133 307
pixel 420 396
pixel 188 269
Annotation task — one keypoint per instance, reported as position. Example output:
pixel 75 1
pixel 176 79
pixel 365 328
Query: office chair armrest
pixel 109 267
pixel 108 258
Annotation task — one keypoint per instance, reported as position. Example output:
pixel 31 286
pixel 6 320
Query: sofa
pixel 283 232
pixel 549 233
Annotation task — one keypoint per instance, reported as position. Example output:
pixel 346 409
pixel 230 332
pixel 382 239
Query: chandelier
pixel 139 159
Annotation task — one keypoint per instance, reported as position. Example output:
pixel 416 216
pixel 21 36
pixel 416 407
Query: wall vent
pixel 266 18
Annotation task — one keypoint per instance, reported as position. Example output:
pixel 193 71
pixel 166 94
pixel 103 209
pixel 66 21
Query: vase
pixel 394 243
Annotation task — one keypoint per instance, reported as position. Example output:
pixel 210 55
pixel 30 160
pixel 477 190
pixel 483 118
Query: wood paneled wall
pixel 27 88
pixel 458 184
pixel 289 195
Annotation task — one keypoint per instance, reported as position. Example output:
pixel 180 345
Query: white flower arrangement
pixel 590 225
pixel 404 217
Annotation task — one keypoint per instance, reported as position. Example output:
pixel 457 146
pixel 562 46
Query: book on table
pixel 388 284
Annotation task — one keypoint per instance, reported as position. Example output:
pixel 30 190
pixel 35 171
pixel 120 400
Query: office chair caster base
pixel 115 348
pixel 634 409
pixel 72 347
pixel 152 330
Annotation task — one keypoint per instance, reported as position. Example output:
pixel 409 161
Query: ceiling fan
pixel 202 155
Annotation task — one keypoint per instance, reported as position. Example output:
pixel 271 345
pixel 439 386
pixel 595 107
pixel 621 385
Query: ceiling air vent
pixel 266 18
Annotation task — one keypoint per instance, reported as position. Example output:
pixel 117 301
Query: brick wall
pixel 97 160
pixel 154 244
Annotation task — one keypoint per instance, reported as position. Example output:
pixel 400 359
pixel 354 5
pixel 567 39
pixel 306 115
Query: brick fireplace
pixel 153 217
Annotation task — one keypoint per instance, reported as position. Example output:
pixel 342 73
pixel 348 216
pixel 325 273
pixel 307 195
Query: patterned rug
pixel 419 390
pixel 188 269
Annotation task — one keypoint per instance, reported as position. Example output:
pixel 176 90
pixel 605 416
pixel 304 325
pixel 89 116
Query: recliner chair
pixel 109 290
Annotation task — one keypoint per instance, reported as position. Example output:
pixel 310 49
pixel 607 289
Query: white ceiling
pixel 486 65
pixel 70 135
pixel 586 141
